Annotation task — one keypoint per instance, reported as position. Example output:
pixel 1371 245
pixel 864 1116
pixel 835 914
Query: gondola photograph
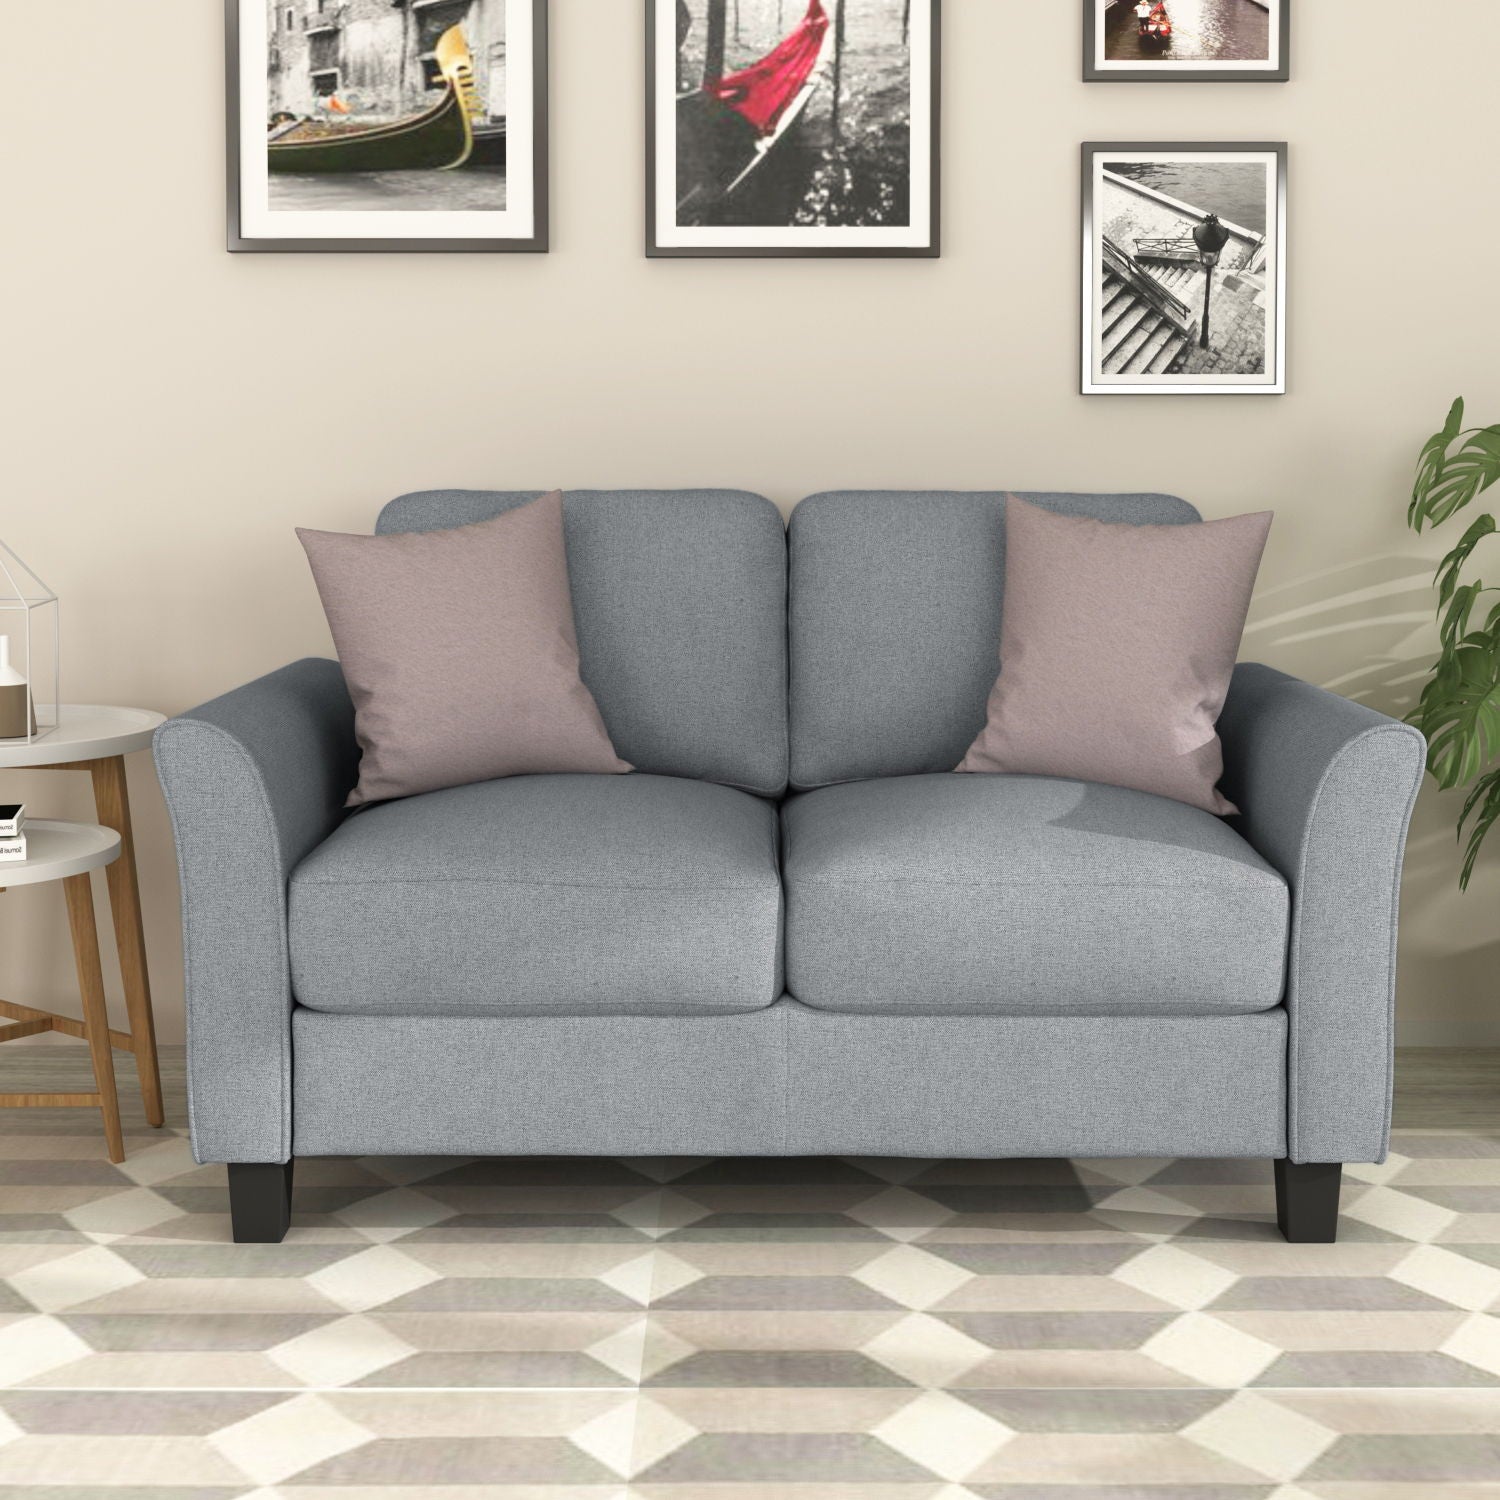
pixel 1186 40
pixel 397 122
pixel 785 127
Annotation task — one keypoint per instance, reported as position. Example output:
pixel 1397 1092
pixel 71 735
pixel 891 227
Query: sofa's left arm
pixel 1325 789
pixel 254 780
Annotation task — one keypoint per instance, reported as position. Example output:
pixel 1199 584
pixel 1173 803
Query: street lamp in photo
pixel 1210 237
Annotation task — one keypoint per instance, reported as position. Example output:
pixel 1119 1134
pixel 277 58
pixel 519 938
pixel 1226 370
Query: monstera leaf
pixel 1459 711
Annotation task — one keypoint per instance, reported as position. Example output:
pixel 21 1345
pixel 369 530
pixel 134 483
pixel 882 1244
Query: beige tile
pixel 1397 1411
pixel 1304 1330
pixel 158 1463
pixel 1109 1458
pixel 775 1329
pixel 459 1413
pixel 1048 1294
pixel 1051 1369
pixel 177 1370
pixel 786 1409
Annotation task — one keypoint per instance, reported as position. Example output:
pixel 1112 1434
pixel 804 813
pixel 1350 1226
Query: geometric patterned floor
pixel 740 1330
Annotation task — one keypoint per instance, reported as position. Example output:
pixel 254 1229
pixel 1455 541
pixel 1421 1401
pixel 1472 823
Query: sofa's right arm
pixel 254 780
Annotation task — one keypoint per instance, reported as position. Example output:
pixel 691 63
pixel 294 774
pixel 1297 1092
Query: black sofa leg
pixel 1307 1200
pixel 260 1201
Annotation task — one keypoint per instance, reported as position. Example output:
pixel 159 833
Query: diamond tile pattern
pixel 823 1330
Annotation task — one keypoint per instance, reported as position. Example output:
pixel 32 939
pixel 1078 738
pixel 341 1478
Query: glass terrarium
pixel 30 658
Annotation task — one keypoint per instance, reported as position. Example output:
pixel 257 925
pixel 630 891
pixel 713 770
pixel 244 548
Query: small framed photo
pixel 1184 269
pixel 792 127
pixel 383 125
pixel 1187 41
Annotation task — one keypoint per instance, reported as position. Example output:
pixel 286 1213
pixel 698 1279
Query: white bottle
pixel 17 716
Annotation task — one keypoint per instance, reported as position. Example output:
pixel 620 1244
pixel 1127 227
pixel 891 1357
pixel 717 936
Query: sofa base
pixel 260 1201
pixel 1307 1200
pixel 788 1081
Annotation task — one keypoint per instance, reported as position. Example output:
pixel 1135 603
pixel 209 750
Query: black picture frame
pixel 1279 71
pixel 930 249
pixel 538 242
pixel 1092 381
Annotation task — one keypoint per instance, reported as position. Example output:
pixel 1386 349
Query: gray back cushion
pixel 895 622
pixel 680 602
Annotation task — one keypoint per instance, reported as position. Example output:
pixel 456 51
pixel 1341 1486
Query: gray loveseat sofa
pixel 794 930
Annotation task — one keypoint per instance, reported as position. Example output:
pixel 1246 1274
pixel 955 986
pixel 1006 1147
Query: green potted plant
pixel 1459 711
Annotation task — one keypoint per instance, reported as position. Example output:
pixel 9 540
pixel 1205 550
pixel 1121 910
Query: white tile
pixel 370 1278
pixel 1476 1342
pixel 75 1278
pixel 924 1350
pixel 1200 1346
pixel 1399 1213
pixel 610 1437
pixel 275 1444
pixel 131 1212
pixel 622 1351
pixel 1262 1435
pixel 943 1434
pixel 341 1352
pixel 914 1278
pixel 1454 1278
pixel 31 1346
pixel 1175 1276
pixel 632 1278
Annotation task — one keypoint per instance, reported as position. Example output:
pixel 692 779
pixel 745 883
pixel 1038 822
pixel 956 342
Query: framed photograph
pixel 1184 269
pixel 383 125
pixel 1187 41
pixel 792 127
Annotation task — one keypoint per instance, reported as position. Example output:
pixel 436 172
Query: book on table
pixel 12 850
pixel 12 819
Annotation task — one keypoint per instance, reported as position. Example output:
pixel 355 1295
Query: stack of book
pixel 12 832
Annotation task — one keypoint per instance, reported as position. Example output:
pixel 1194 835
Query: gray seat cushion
pixel 895 623
pixel 679 597
pixel 1010 895
pixel 544 895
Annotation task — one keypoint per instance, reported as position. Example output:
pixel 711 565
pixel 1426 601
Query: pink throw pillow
pixel 1117 644
pixel 460 653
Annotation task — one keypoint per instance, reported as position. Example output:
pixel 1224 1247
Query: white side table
pixel 96 740
pixel 67 852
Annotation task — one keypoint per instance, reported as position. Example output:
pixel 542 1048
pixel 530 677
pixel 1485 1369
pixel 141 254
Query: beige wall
pixel 171 412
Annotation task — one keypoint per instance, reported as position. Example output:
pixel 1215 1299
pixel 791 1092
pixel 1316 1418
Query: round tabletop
pixel 54 850
pixel 85 731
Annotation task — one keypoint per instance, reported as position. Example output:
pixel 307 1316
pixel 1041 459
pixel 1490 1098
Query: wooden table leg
pixel 80 896
pixel 112 800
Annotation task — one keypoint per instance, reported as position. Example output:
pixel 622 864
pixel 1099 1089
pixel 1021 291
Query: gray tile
pixel 427 1463
pixel 215 1262
pixel 1425 1145
pixel 776 1171
pixel 1371 1369
pixel 1461 1199
pixel 775 1293
pixel 502 1294
pixel 775 1226
pixel 61 1172
pixel 1058 1330
pixel 1018 1198
pixel 466 1370
pixel 1122 1491
pixel 791 1458
pixel 1214 1172
pixel 512 1228
pixel 1054 1259
pixel 821 1368
pixel 133 1413
pixel 1115 1410
pixel 1447 1458
pixel 140 1333
pixel 1327 1294
pixel 537 1172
